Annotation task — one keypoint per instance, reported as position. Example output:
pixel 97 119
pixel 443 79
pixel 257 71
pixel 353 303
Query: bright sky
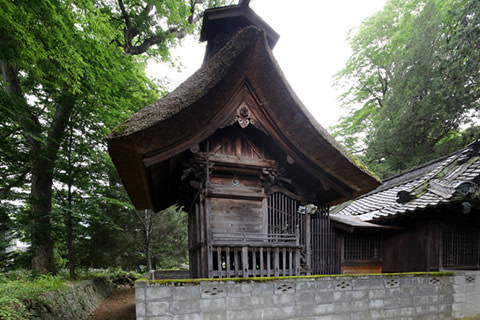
pixel 311 49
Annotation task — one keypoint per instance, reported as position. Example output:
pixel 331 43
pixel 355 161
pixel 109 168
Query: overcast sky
pixel 311 49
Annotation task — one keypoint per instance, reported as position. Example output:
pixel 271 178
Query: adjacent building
pixel 425 219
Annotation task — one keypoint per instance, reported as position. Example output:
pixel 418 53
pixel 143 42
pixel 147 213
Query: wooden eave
pixel 246 70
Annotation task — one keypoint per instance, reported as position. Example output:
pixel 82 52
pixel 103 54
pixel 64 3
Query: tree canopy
pixel 71 71
pixel 412 83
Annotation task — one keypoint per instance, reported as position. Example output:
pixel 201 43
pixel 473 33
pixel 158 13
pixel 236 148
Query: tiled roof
pixel 445 180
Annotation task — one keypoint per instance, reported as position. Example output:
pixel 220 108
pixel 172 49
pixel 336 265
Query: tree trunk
pixel 43 164
pixel 43 261
pixel 68 216
pixel 69 227
pixel 145 217
pixel 148 255
pixel 43 156
pixel 148 237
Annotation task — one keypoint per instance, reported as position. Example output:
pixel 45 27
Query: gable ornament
pixel 244 116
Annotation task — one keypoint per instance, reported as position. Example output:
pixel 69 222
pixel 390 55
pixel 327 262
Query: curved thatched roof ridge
pixel 196 86
pixel 318 127
pixel 206 78
pixel 200 105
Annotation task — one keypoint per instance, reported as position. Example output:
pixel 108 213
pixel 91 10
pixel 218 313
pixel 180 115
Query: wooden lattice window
pixel 460 248
pixel 284 220
pixel 361 247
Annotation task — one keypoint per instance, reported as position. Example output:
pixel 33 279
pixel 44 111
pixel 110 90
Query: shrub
pixel 18 287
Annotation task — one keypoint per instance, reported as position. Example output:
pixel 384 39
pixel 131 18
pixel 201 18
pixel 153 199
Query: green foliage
pixel 413 78
pixel 78 77
pixel 156 25
pixel 18 287
pixel 170 238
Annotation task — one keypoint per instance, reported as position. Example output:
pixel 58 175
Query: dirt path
pixel 119 306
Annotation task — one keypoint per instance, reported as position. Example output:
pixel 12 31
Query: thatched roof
pixel 200 106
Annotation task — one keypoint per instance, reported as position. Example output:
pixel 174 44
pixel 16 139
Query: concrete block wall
pixel 466 297
pixel 409 296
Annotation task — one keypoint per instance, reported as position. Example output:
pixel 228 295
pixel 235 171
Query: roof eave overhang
pixel 352 224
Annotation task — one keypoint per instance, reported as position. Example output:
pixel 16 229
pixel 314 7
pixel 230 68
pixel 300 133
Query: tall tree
pixel 61 58
pixel 368 72
pixel 37 42
pixel 154 25
pixel 165 236
pixel 431 94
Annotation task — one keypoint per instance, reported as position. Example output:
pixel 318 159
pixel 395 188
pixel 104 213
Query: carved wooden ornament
pixel 244 116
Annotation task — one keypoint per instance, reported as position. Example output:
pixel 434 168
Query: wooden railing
pixel 248 261
pixel 245 237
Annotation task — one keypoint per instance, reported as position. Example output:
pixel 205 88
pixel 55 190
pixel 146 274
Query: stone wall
pixel 406 296
pixel 77 301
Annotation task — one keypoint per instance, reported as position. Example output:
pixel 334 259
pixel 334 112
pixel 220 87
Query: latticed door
pixel 285 223
pixel 324 244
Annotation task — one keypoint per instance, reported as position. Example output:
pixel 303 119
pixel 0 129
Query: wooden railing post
pixel 269 261
pixel 219 261
pixel 245 261
pixel 276 261
pixel 237 263
pixel 227 261
pixel 262 266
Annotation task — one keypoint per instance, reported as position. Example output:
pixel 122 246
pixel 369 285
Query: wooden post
pixel 245 262
pixel 202 259
pixel 265 218
pixel 276 261
pixel 219 261
pixel 290 262
pixel 209 238
pixel 269 261
pixel 254 261
pixel 235 259
pixel 227 261
pixel 261 263
pixel 297 262
pixel 308 243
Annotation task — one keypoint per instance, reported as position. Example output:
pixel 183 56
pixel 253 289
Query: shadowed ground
pixel 119 306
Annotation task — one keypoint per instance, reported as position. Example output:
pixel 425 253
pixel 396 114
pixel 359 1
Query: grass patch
pixel 20 289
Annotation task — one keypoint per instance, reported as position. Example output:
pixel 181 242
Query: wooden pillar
pixel 208 234
pixel 219 261
pixel 237 263
pixel 297 262
pixel 262 266
pixel 245 262
pixel 276 261
pixel 227 261
pixel 202 257
pixel 308 243
pixel 254 262
pixel 265 217
pixel 269 262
